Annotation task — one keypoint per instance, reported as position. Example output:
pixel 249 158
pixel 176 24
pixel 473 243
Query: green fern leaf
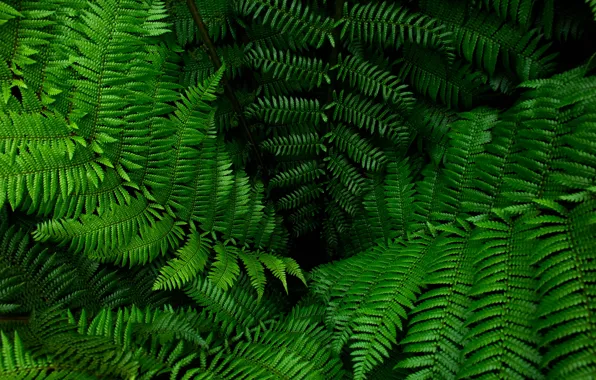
pixel 311 72
pixel 284 110
pixel 365 113
pixel 391 25
pixel 255 272
pixel 359 149
pixel 92 233
pixel 225 269
pixel 306 172
pixel 371 80
pixel 191 261
pixel 276 266
pixel 294 19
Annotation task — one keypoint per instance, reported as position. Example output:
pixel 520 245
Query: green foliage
pixel 277 189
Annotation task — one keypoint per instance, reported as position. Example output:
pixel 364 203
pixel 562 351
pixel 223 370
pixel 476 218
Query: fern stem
pixel 228 90
pixel 14 318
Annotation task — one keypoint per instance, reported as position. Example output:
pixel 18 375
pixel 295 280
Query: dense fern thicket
pixel 278 189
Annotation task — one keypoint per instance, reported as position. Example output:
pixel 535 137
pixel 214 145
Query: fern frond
pixel 359 149
pixel 519 11
pixel 284 110
pixel 372 80
pixel 365 113
pixel 112 190
pixel 191 261
pixel 245 229
pixel 370 317
pixel 294 145
pixel 57 278
pixel 271 234
pixel 392 25
pixel 437 325
pixel 292 18
pixel 310 71
pixel 236 309
pixel 399 195
pixel 504 305
pixel 592 4
pixel 104 71
pixel 217 16
pixel 7 13
pixel 454 85
pixel 546 128
pixel 276 265
pixel 271 87
pixel 10 287
pixel 43 173
pixel 26 31
pixel 212 185
pixel 347 174
pixel 483 38
pixel 235 209
pixel 19 363
pixel 340 194
pixel 255 271
pixel 225 269
pixel 151 242
pixel 374 202
pixel 469 136
pixel 302 195
pixel 92 348
pixel 191 123
pixel 92 233
pixel 264 36
pixel 290 349
pixel 567 297
pixel 303 219
pixel 309 171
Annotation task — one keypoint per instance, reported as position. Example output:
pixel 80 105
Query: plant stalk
pixel 228 90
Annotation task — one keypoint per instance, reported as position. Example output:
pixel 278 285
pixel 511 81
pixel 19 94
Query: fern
pixel 371 80
pixel 191 261
pixel 288 67
pixel 292 18
pixel 357 148
pixel 322 189
pixel 284 110
pixel 390 24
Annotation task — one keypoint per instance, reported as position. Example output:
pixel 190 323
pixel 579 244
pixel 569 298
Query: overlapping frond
pixel 484 39
pixel 292 18
pixel 359 149
pixel 565 286
pixel 310 72
pixel 391 25
pixel 455 85
pixel 502 318
pixel 368 297
pixel 285 110
pixel 294 145
pixel 366 114
pixel 191 260
pixel 93 233
pixel 437 328
pixel 372 80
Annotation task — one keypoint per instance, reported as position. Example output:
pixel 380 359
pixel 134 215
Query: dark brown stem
pixel 14 318
pixel 228 90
